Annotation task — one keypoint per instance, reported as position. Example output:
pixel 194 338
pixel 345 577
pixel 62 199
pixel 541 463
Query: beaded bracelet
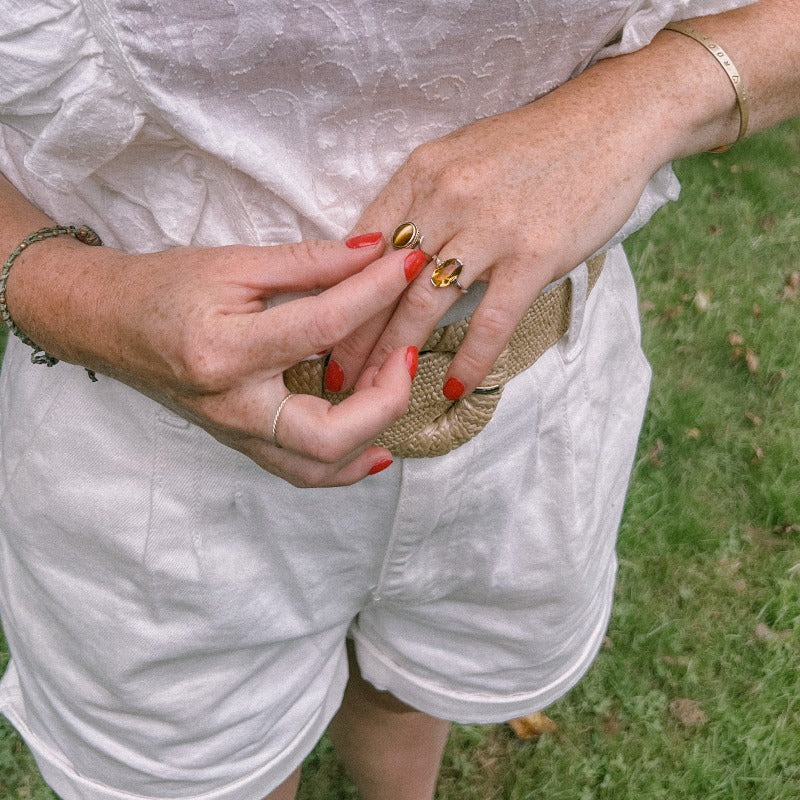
pixel 82 233
pixel 730 70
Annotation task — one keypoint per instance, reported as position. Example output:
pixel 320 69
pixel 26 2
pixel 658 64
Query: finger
pixel 423 304
pixel 310 325
pixel 312 427
pixel 309 265
pixel 348 357
pixel 304 472
pixel 490 329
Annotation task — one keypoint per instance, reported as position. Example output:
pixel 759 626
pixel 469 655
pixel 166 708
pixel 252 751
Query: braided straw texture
pixel 433 425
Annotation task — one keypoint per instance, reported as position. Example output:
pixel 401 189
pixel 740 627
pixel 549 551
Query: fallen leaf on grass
pixel 533 726
pixel 612 725
pixel 791 287
pixel 760 538
pixel 687 712
pixel 702 300
pixel 693 433
pixel 730 564
pixel 753 419
pixel 776 378
pixel 758 455
pixel 735 339
pixel 767 634
pixel 676 661
pixel 751 357
pixel 655 452
pixel 786 529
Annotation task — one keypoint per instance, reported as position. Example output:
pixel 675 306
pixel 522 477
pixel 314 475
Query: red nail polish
pixel 413 264
pixel 453 389
pixel 334 377
pixel 412 361
pixel 381 465
pixel 364 240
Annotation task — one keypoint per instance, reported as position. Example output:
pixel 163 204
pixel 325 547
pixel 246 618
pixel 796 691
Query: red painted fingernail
pixel 412 361
pixel 364 240
pixel 334 377
pixel 381 465
pixel 453 389
pixel 413 264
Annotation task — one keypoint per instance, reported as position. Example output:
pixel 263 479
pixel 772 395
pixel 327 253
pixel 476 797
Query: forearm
pixel 58 290
pixel 688 102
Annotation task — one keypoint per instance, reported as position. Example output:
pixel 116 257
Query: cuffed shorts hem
pixel 448 702
pixel 69 784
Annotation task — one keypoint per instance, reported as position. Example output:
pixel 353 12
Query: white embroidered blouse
pixel 169 123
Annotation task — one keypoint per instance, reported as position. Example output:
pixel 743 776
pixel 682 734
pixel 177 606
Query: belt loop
pixel 579 280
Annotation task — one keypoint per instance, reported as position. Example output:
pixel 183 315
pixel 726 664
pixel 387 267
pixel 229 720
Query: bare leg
pixel 288 789
pixel 391 751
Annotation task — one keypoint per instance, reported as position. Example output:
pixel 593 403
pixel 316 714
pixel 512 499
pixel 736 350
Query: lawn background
pixel 696 692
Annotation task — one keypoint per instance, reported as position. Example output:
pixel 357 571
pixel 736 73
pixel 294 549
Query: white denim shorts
pixel 177 617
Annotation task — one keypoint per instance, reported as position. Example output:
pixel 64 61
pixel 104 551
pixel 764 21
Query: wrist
pixel 683 102
pixel 54 296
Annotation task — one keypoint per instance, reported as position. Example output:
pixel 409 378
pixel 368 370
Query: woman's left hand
pixel 521 199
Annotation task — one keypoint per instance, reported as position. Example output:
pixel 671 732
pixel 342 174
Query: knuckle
pixel 203 367
pixel 324 447
pixel 326 326
pixel 490 325
pixel 351 350
pixel 304 252
pixel 425 157
pixel 420 301
pixel 456 181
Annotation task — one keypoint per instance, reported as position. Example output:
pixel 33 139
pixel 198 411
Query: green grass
pixel 697 691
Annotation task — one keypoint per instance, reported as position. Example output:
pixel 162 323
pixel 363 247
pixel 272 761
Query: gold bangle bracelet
pixel 730 70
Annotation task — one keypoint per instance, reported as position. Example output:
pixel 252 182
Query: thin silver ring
pixel 276 418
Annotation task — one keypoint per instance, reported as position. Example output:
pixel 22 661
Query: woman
pixel 176 609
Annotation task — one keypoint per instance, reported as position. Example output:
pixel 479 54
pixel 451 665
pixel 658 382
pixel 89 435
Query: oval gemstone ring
pixel 446 273
pixel 406 236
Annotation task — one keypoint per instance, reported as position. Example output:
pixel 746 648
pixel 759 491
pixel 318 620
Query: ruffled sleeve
pixel 60 94
pixel 646 18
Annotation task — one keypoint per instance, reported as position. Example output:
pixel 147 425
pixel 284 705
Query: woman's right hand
pixel 190 328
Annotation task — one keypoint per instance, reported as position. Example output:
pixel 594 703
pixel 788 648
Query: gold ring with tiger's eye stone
pixel 406 236
pixel 446 274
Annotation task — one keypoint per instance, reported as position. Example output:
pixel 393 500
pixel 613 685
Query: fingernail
pixel 453 389
pixel 334 377
pixel 381 465
pixel 412 361
pixel 364 240
pixel 413 264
